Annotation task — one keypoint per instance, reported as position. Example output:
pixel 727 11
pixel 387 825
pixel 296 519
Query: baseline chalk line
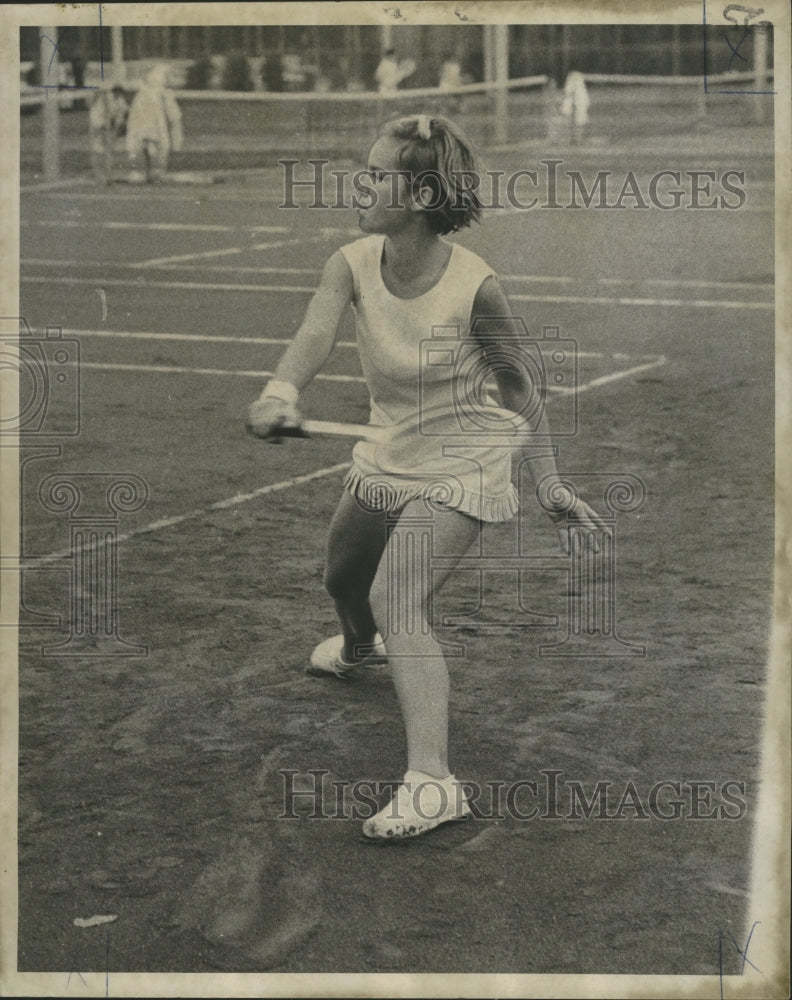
pixel 192 515
pixel 214 286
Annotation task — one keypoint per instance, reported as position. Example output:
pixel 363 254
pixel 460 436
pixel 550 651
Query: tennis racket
pixel 501 427
pixel 331 428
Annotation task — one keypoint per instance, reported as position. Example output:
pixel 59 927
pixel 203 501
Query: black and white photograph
pixel 394 440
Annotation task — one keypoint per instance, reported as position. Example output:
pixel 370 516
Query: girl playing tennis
pixel 406 283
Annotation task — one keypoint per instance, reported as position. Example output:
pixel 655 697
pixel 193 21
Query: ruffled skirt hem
pixel 390 494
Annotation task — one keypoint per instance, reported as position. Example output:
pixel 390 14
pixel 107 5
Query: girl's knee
pixel 379 604
pixel 332 582
pixel 343 585
pixel 399 612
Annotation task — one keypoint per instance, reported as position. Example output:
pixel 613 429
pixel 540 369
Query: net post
pixel 701 101
pixel 489 59
pixel 117 42
pixel 501 93
pixel 760 72
pixel 50 74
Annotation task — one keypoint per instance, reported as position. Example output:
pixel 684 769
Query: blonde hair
pixel 436 154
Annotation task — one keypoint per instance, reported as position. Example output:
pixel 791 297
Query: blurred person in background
pixel 575 105
pixel 450 73
pixel 107 120
pixel 450 80
pixel 387 73
pixel 294 77
pixel 390 72
pixel 154 127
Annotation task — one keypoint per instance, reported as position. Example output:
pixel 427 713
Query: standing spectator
pixel 154 127
pixel 450 74
pixel 293 72
pixel 387 74
pixel 390 73
pixel 107 120
pixel 575 105
pixel 450 80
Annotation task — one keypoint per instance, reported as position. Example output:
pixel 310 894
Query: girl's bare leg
pixel 355 544
pixel 401 596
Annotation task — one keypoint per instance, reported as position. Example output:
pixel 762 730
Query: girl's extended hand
pixel 267 416
pixel 577 514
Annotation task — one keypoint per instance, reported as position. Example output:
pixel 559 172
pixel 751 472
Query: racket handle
pixel 332 428
pixel 329 428
pixel 278 432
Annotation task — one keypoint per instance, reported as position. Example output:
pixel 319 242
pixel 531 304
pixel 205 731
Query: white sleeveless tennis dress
pixel 425 377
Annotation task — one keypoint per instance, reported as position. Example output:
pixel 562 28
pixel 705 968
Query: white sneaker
pixel 420 804
pixel 327 659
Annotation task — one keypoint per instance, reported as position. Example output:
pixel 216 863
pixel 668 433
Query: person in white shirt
pixel 154 127
pixel 107 118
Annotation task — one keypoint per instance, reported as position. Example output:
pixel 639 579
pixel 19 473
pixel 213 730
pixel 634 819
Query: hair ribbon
pixel 424 127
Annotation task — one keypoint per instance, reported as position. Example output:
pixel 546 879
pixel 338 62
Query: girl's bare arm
pixel 315 339
pixel 499 335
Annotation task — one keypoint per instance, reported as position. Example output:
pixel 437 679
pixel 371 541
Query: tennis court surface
pixel 154 787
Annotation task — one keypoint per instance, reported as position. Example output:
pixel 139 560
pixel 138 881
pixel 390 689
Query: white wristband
pixel 281 390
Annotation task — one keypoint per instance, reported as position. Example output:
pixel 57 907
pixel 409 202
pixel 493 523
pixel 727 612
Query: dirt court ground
pixel 151 787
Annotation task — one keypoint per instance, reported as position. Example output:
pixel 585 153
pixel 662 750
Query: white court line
pixel 52 186
pixel 274 269
pixel 680 283
pixel 142 282
pixel 189 226
pixel 595 300
pixel 323 234
pixel 124 265
pixel 196 196
pixel 197 338
pixel 226 252
pixel 613 377
pixel 240 498
pixel 201 338
pixel 215 286
pixel 260 184
pixel 180 370
pixel 248 373
pixel 169 522
pixel 175 227
pixel 245 269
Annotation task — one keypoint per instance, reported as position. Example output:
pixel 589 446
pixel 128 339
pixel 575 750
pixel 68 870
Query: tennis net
pixel 226 131
pixel 342 124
